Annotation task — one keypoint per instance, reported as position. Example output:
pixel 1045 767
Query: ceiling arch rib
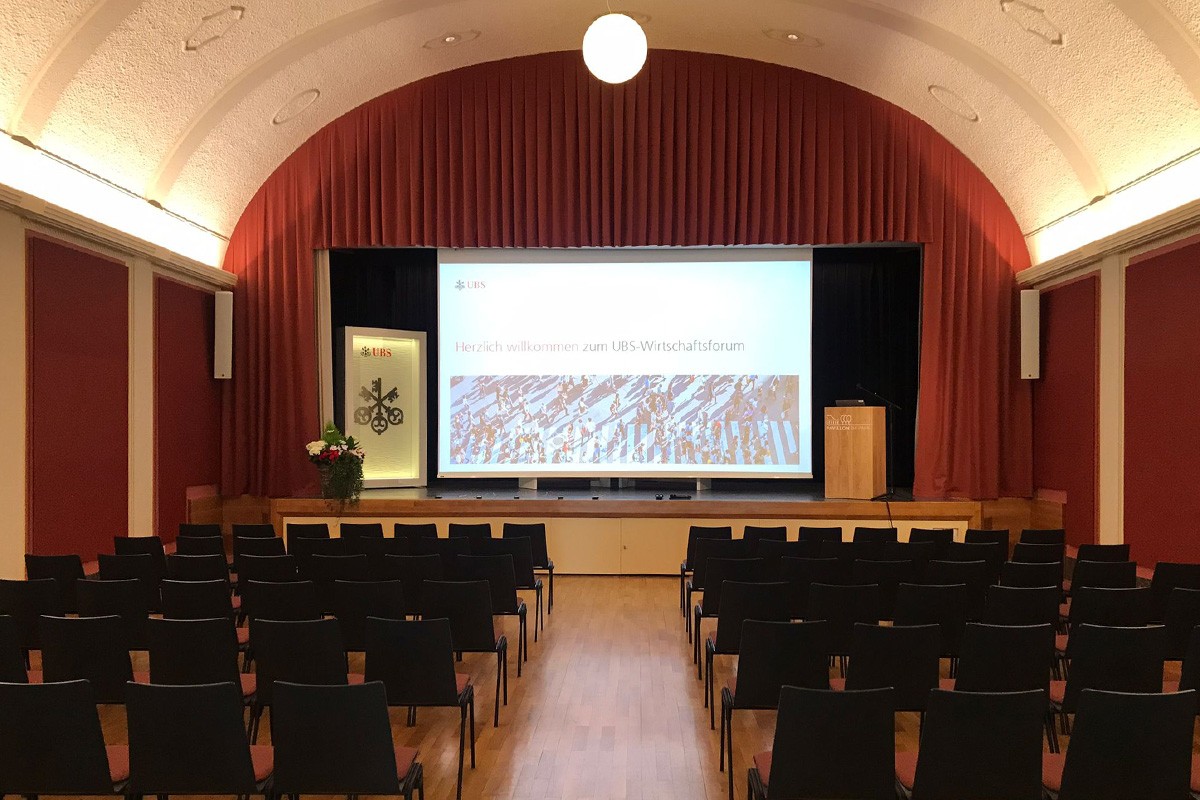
pixel 41 92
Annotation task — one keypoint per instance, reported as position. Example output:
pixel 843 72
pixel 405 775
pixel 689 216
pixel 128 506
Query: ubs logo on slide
pixel 460 285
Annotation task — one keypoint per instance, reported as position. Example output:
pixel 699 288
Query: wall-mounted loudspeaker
pixel 1031 334
pixel 223 335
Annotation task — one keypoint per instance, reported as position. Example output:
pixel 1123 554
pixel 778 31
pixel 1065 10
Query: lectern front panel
pixel 855 452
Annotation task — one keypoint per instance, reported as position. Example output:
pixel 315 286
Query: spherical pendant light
pixel 614 48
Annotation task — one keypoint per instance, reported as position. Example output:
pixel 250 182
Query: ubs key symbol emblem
pixel 379 411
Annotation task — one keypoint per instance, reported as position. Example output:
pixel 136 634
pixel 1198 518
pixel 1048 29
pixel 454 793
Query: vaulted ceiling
pixel 192 104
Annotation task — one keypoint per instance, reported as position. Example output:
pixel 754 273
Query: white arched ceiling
pixel 193 104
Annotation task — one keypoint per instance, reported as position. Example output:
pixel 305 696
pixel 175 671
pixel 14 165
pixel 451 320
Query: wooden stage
pixel 630 531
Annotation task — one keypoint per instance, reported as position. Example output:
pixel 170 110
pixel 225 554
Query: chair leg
pixel 712 701
pixel 471 716
pixel 1051 734
pixel 499 670
pixel 550 604
pixel 721 736
pixel 537 612
pixel 462 746
pixel 682 607
pixel 729 739
pixel 506 674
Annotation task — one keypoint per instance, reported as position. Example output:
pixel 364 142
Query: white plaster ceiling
pixel 1057 101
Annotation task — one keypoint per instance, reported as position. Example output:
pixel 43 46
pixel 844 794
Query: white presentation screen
pixel 632 363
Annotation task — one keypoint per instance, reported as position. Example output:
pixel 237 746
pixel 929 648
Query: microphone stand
pixel 888 408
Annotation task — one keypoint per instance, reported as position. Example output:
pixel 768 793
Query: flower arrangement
pixel 339 460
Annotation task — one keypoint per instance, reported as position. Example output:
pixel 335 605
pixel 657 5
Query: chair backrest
pixel 63 569
pixel 1028 575
pixel 535 532
pixel 1043 535
pixel 198 546
pixel 196 600
pixel 355 601
pixel 716 548
pixel 975 575
pixel 992 554
pixel 1189 673
pixel 12 654
pixel 757 533
pixel 934 604
pixel 1104 575
pixel 324 570
pixel 415 530
pixel 1005 658
pixel 500 576
pixel 253 530
pixel 293 600
pixel 905 658
pixel 869 534
pixel 743 601
pixel 469 530
pixel 698 532
pixel 919 553
pixel 266 569
pixel 199 530
pixel 1029 553
pixel 448 550
pixel 87 648
pixel 939 537
pixel 188 740
pixel 843 607
pixel 1020 605
pixel 191 651
pixel 141 567
pixel 1167 576
pixel 361 530
pixel 298 651
pixel 720 570
pixel 1127 608
pixel 521 550
pixel 307 530
pixel 817 534
pixel 887 575
pixel 51 741
pixel 1130 745
pixel 376 548
pixel 333 740
pixel 256 547
pixel 801 573
pixel 1183 615
pixel 412 572
pixel 778 654
pixel 143 546
pixel 126 599
pixel 1115 660
pixel 468 607
pixel 305 548
pixel 852 551
pixel 847 739
pixel 1102 552
pixel 979 536
pixel 773 550
pixel 26 602
pixel 977 744
pixel 413 659
pixel 197 568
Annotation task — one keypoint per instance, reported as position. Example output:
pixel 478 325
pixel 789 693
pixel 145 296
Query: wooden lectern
pixel 855 452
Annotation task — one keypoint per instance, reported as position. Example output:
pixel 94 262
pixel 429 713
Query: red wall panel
pixel 187 400
pixel 78 391
pixel 1162 413
pixel 1066 402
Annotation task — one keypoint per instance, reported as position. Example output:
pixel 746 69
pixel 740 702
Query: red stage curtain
pixel 697 150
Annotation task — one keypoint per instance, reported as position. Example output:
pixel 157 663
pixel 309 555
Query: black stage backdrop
pixel 866 328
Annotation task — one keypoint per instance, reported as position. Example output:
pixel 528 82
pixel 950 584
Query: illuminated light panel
pixel 1124 208
pixel 33 172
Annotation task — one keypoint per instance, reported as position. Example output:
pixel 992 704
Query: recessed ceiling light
pixel 793 37
pixel 954 103
pixel 212 27
pixel 450 39
pixel 296 106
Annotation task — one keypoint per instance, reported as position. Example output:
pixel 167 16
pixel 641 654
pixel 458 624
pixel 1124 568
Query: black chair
pixel 520 548
pixel 977 745
pixel 185 652
pixel 919 553
pixel 1126 745
pixel 1020 605
pixel 1007 658
pixel 406 530
pixel 12 655
pixel 975 575
pixel 695 534
pixel 91 649
pixel 253 530
pixel 256 547
pixel 468 607
pixel 1182 617
pixel 448 550
pixel 704 550
pixel 1103 575
pixel 1102 552
pixel 501 578
pixel 469 530
pixel 1029 553
pixel 979 536
pixel 198 546
pixel 355 756
pixel 1169 576
pixel 869 534
pixel 767 602
pixel 361 530
pixel 305 548
pixel 773 655
pixel 1189 673
pixel 907 659
pixel 325 570
pixel 843 607
pixel 306 530
pixel 375 549
pixel 801 573
pixel 26 602
pixel 140 567
pixel 756 534
pixel 887 575
pixel 991 553
pixel 266 569
pixel 198 530
pixel 535 532
pixel 849 552
pixel 125 599
pixel 143 546
pixel 816 534
pixel 1030 575
pixel 412 572
pixel 772 551
pixel 51 743
pixel 1113 608
pixel 65 570
pixel 938 537
pixel 848 743
pixel 297 651
pixel 719 570
pixel 202 600
pixel 355 601
pixel 415 662
pixel 293 600
pixel 932 604
pixel 197 568
pixel 190 740
pixel 1043 536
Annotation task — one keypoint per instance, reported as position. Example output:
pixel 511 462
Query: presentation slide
pixel 630 363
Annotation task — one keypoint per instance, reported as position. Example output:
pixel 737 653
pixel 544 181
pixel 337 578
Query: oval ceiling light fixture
pixel 793 37
pixel 954 102
pixel 296 106
pixel 614 48
pixel 450 39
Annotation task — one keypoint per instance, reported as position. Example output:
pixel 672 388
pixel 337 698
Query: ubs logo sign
pixel 375 352
pixel 460 285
